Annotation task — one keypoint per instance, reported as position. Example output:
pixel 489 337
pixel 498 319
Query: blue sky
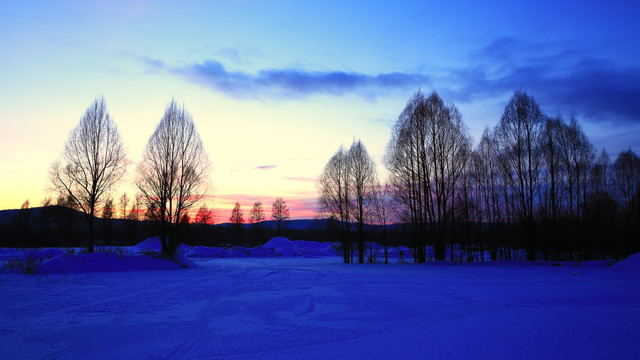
pixel 276 87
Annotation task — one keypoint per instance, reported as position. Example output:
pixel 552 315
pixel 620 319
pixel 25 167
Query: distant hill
pixel 7 216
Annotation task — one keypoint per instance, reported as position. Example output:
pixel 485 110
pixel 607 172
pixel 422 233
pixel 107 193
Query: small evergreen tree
pixel 236 215
pixel 280 213
pixel 256 215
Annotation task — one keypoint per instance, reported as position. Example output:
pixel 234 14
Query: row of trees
pixel 279 214
pixel 60 223
pixel 350 193
pixel 172 176
pixel 533 182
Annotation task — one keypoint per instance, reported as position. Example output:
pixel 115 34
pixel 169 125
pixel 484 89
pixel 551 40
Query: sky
pixel 275 88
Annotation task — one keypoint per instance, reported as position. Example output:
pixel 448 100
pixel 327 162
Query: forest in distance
pixel 533 186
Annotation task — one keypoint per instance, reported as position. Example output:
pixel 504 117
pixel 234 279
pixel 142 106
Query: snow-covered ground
pixel 316 307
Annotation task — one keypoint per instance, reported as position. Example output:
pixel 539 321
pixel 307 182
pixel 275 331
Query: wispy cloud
pixel 264 167
pixel 561 76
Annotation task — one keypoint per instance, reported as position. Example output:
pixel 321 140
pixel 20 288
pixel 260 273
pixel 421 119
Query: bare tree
pixel 626 177
pixel 601 174
pixel 382 213
pixel 578 155
pixel 92 162
pixel 108 210
pixel 551 149
pixel 362 180
pixel 237 217
pixel 603 212
pixel 427 154
pixel 256 215
pixel 518 134
pixel 134 213
pixel 124 201
pixel 280 214
pixel 173 174
pixel 334 197
pixel 487 176
pixel 204 216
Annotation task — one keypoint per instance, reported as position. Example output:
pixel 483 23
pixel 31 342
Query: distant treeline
pixel 57 225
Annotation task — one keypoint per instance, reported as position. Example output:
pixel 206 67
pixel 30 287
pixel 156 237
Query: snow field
pixel 292 308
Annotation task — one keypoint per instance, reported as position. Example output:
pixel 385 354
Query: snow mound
pixel 276 247
pixel 281 246
pixel 148 245
pixel 104 262
pixel 279 242
pixel 630 263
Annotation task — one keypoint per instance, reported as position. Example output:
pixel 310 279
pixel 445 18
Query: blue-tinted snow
pixel 293 308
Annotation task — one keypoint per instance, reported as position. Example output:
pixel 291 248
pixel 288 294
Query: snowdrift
pixel 631 263
pixel 101 262
pixel 144 256
pixel 276 247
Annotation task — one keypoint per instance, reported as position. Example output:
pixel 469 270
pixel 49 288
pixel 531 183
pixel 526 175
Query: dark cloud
pixel 294 83
pixel 561 78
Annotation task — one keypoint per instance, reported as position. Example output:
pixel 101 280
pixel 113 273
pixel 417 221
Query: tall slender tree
pixel 428 153
pixel 109 209
pixel 94 159
pixel 204 216
pixel 256 215
pixel 518 134
pixel 237 217
pixel 124 201
pixel 334 197
pixel 280 214
pixel 173 174
pixel 362 180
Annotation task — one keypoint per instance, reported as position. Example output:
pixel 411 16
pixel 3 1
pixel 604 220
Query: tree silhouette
pixel 108 210
pixel 204 216
pixel 334 197
pixel 237 217
pixel 124 201
pixel 518 134
pixel 362 180
pixel 427 155
pixel 280 214
pixel 173 174
pixel 92 162
pixel 256 215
